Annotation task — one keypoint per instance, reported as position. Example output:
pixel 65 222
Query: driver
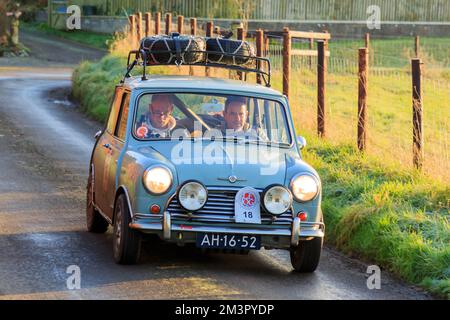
pixel 235 115
pixel 158 122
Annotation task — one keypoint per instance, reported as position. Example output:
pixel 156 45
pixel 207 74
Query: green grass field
pixel 376 206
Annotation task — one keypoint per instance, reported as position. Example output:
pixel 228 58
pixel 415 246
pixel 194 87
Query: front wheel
pixel 305 257
pixel 126 241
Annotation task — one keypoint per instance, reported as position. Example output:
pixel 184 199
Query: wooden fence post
pixel 209 33
pixel 286 60
pixel 363 77
pixel 418 154
pixel 367 45
pixel 148 21
pixel 168 23
pixel 132 36
pixel 367 40
pixel 259 52
pixel 266 45
pixel 139 27
pixel 417 46
pixel 131 23
pixel 209 29
pixel 158 23
pixel 193 24
pixel 240 36
pixel 180 24
pixel 322 46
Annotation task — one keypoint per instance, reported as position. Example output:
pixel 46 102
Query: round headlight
pixel 277 200
pixel 192 195
pixel 157 180
pixel 304 187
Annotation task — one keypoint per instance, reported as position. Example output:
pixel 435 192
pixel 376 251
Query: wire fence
pixel 390 105
pixel 389 97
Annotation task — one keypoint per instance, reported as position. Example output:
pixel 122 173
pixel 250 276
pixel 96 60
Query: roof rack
pixel 256 63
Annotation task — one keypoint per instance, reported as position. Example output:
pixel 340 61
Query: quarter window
pixel 110 126
pixel 121 126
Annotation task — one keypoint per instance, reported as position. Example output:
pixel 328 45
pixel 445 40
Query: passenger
pixel 158 122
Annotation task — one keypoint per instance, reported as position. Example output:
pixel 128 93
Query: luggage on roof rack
pixel 164 49
pixel 198 51
pixel 219 50
pixel 180 49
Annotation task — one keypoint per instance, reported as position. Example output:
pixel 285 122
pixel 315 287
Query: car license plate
pixel 228 241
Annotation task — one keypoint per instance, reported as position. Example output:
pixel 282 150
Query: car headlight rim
pixel 309 175
pixel 184 184
pixel 148 171
pixel 265 192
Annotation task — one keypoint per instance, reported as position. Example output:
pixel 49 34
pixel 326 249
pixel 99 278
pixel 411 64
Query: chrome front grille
pixel 219 208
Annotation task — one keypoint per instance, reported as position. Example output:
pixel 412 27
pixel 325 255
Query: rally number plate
pixel 247 206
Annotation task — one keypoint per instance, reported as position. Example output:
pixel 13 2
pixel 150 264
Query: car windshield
pixel 193 115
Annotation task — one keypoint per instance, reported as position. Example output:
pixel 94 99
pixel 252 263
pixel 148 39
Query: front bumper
pixel 184 231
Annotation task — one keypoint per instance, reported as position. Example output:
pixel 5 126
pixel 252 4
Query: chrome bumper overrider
pixel 157 223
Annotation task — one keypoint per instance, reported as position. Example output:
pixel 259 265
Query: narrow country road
pixel 45 145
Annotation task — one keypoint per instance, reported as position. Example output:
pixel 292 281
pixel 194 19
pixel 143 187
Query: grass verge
pixel 374 209
pixel 96 40
pixel 397 218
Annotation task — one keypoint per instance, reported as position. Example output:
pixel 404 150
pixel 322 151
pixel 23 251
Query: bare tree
pixel 13 17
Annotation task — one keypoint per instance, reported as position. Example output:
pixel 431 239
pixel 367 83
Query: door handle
pixel 98 134
pixel 107 146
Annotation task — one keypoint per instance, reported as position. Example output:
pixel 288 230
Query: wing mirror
pixel 301 141
pixel 98 134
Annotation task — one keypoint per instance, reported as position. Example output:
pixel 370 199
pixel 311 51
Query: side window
pixel 121 127
pixel 251 112
pixel 279 127
pixel 114 110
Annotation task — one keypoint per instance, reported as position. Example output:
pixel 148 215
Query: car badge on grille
pixel 231 179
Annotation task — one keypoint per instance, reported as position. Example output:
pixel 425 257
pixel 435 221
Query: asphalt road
pixel 45 145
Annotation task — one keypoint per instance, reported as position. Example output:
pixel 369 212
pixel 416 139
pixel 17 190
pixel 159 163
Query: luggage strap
pixel 179 59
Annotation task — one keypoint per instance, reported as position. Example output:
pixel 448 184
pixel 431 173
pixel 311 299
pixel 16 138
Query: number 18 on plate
pixel 247 206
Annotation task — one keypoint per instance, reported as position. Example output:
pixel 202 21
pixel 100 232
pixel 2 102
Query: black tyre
pixel 305 257
pixel 126 241
pixel 94 221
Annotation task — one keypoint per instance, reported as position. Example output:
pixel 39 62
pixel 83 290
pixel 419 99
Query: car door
pixel 117 143
pixel 102 154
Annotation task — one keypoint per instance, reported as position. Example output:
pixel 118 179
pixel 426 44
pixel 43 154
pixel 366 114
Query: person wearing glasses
pixel 158 122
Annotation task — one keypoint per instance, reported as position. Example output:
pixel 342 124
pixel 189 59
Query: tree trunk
pixel 14 31
pixel 3 25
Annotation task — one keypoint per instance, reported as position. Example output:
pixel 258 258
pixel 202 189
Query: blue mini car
pixel 204 161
